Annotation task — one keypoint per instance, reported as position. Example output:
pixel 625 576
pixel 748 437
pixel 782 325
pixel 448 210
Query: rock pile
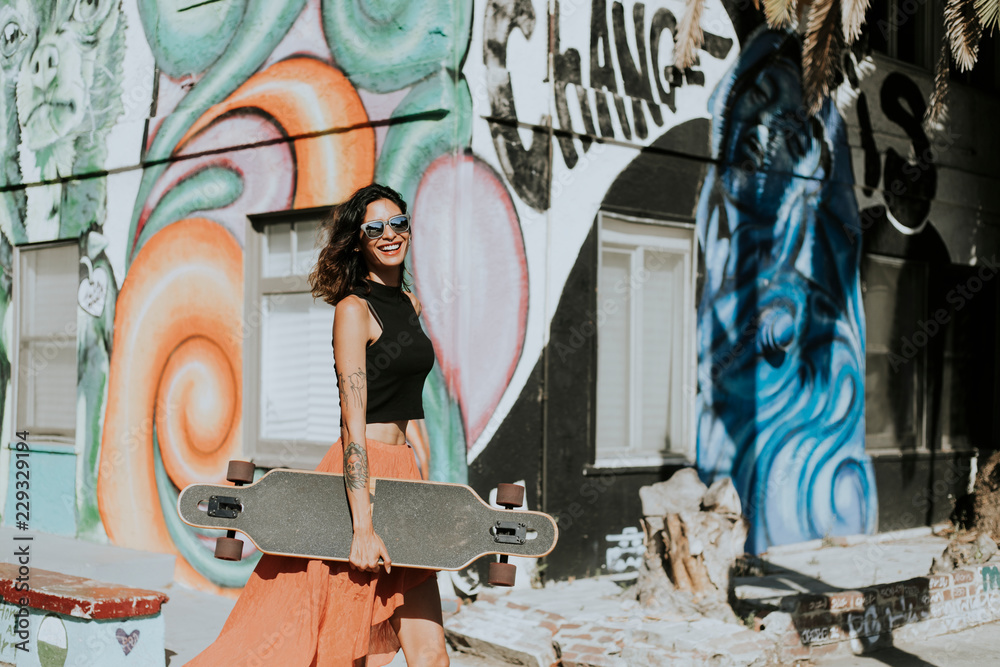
pixel 963 550
pixel 693 536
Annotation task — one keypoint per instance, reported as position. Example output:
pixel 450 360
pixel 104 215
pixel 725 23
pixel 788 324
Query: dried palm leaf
pixel 852 17
pixel 779 13
pixel 989 13
pixel 963 30
pixel 937 107
pixel 819 53
pixel 689 35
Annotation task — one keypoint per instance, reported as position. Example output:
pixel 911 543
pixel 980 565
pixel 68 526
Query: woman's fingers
pixel 386 562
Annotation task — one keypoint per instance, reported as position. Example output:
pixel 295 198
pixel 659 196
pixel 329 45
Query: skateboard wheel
pixel 240 472
pixel 502 574
pixel 510 495
pixel 229 548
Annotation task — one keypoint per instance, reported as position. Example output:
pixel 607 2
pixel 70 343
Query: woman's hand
pixel 366 548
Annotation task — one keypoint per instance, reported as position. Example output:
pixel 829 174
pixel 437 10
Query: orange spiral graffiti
pixel 176 372
pixel 306 96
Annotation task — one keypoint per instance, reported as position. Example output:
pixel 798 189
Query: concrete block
pixel 49 619
pixel 59 639
pixel 501 635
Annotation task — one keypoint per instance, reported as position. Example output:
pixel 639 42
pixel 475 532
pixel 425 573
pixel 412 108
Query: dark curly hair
pixel 341 268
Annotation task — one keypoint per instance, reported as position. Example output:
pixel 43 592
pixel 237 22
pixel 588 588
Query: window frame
pixel 615 230
pixel 270 452
pixel 57 436
pixel 933 33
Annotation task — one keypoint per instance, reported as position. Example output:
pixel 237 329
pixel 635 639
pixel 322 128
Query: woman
pixel 296 612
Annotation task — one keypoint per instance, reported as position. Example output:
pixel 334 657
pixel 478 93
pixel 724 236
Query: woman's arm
pixel 350 337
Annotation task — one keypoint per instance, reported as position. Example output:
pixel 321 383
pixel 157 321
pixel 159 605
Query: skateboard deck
pixel 423 524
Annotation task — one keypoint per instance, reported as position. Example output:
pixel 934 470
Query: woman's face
pixel 389 250
pixel 770 145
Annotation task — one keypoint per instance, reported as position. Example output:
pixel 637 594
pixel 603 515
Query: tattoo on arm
pixel 355 466
pixel 353 387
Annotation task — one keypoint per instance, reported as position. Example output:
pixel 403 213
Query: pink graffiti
pixel 472 278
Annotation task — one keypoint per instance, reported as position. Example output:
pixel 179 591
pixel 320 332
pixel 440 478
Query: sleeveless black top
pixel 398 362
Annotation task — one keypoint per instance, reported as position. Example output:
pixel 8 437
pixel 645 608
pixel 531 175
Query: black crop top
pixel 398 362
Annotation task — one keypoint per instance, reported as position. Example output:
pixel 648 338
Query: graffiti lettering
pixel 627 552
pixel 639 75
pixel 528 169
pixel 645 83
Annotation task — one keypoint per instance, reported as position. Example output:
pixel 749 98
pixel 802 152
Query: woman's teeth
pixel 390 248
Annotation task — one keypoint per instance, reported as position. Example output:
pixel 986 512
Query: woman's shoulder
pixel 414 300
pixel 350 307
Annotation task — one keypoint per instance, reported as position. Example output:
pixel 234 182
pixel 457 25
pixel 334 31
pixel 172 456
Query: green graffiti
pixel 444 428
pixel 385 45
pixel 421 135
pixel 991 578
pixel 263 25
pixel 68 98
pixel 18 44
pixel 205 190
pixel 185 538
pixel 97 296
pixel 174 27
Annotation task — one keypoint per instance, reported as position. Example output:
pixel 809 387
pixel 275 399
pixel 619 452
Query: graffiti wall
pixel 146 132
pixel 780 321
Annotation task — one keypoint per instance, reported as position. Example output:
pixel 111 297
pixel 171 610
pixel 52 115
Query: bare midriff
pixel 391 433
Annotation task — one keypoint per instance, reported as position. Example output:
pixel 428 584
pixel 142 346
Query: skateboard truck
pixel 504 532
pixel 228 507
pixel 223 507
pixel 510 496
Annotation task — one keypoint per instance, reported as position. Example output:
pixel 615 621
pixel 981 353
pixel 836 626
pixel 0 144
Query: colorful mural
pixel 780 322
pixel 146 131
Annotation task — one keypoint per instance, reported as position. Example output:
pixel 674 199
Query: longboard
pixel 423 524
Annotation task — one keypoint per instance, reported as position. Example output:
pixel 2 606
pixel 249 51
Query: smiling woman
pixel 381 358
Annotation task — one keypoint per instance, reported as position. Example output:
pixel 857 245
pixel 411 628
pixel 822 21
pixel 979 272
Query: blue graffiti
pixel 780 322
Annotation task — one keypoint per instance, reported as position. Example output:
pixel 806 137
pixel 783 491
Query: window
pixel 894 294
pixel 645 345
pixel 46 287
pixel 967 316
pixel 291 406
pixel 904 30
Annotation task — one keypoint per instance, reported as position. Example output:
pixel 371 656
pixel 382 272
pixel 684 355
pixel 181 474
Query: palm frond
pixel 937 106
pixel 779 13
pixel 819 53
pixel 852 17
pixel 963 30
pixel 689 35
pixel 989 13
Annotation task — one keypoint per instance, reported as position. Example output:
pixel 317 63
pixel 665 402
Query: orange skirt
pixel 296 612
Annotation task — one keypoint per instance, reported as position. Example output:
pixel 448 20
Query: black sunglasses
pixel 374 229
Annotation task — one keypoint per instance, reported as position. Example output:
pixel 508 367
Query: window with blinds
pixel 46 288
pixel 292 410
pixel 645 343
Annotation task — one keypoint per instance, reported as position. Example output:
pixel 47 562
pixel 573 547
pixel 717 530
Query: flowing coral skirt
pixel 296 612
